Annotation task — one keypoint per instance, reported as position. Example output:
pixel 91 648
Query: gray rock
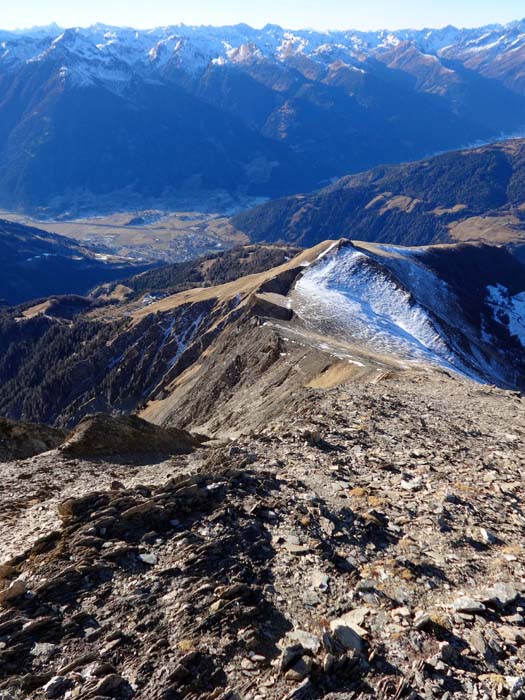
pixel 349 635
pixel 477 642
pixel 300 670
pixel 487 536
pixel 466 604
pixel 308 642
pixel 110 684
pixel 511 635
pixel 44 650
pixel 516 686
pixel 148 558
pixel 296 549
pixel 289 656
pixel 320 581
pixel 501 594
pixel 15 590
pixel 422 621
pixel 304 691
pixel 56 687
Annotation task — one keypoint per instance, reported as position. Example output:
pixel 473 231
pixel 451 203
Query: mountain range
pixel 109 112
pixel 292 468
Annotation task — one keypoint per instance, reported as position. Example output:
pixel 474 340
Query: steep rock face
pixel 261 112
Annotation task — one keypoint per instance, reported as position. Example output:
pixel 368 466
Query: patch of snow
pixel 184 340
pixel 508 310
pixel 328 250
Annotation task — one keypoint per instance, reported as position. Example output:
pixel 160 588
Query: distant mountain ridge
pixel 37 264
pixel 149 50
pixel 470 195
pixel 87 113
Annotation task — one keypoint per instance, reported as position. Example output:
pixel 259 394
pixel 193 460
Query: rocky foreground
pixel 369 544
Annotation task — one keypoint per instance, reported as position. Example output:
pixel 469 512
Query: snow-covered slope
pixel 393 301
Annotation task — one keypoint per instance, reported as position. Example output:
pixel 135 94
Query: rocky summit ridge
pixel 366 544
pixel 307 513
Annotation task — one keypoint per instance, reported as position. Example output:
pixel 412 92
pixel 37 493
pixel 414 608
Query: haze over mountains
pixel 94 117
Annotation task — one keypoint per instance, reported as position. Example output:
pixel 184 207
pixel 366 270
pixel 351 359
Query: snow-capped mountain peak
pixel 197 47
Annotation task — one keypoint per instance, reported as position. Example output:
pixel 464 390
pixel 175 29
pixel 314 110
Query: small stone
pixel 56 687
pixel 487 536
pixel 304 691
pixel 300 670
pixel 308 641
pixel 320 581
pixel 247 664
pixel 516 685
pixel 511 635
pixel 7 571
pixel 296 549
pixel 447 653
pixel 44 650
pixel 347 634
pixel 477 642
pixel 329 662
pixel 468 605
pixel 102 669
pixel 366 585
pixel 422 621
pixel 110 684
pixel 289 655
pixel 311 598
pixel 15 590
pixel 501 594
pixel 148 558
pixel 217 605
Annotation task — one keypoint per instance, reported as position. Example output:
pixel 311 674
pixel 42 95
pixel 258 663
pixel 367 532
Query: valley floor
pixel 368 543
pixel 149 235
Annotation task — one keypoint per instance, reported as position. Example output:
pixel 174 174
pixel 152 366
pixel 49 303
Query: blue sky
pixel 320 14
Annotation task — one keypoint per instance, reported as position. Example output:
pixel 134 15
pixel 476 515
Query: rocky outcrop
pixel 22 440
pixel 125 436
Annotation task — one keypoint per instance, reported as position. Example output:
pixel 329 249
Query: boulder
pixel 125 436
